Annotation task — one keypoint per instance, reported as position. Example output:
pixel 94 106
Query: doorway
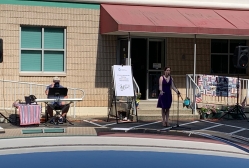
pixel 147 61
pixel 156 59
pixel 139 63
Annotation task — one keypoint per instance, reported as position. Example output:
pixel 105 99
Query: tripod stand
pixel 237 110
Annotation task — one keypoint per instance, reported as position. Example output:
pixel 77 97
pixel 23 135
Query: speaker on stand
pixel 240 57
pixel 240 61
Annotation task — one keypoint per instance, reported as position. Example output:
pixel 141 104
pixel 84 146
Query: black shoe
pixel 52 121
pixel 60 120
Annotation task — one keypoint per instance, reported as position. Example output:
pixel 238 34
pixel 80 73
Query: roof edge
pixel 217 4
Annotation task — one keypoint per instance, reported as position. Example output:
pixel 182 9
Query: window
pixel 222 56
pixel 42 49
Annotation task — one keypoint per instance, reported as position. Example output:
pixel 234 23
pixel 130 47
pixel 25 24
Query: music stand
pixel 27 99
pixel 57 94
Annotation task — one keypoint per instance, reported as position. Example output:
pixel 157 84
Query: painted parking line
pixel 121 129
pixel 180 125
pixel 90 122
pixel 146 124
pixel 208 121
pixel 225 125
pixel 99 124
pixel 234 132
pixel 217 125
pixel 109 124
pixel 130 128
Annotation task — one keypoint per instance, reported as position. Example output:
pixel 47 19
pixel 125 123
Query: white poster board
pixel 123 80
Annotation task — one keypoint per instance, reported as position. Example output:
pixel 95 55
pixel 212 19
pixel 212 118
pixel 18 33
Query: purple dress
pixel 165 100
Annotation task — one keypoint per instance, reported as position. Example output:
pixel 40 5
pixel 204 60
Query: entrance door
pixel 147 61
pixel 155 66
pixel 139 62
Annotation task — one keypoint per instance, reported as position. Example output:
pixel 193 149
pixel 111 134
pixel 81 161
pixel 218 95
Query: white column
pixel 129 49
pixel 194 93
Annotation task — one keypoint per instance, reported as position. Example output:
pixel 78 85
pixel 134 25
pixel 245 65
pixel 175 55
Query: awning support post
pixel 194 58
pixel 194 89
pixel 129 49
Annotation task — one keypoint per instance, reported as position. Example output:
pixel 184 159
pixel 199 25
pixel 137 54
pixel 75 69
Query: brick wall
pixel 89 54
pixel 180 57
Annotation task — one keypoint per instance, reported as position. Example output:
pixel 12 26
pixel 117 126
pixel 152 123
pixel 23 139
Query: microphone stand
pixel 177 126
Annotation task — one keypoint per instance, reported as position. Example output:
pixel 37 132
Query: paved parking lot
pixel 220 128
pixel 231 127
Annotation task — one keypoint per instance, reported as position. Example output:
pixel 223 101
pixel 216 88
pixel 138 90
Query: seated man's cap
pixel 56 78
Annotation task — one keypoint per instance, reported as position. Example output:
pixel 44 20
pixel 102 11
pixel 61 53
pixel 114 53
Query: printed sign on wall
pixel 123 80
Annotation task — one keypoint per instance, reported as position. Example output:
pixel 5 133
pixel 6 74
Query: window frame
pixel 43 50
pixel 228 54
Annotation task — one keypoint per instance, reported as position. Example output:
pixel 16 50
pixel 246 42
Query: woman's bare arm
pixel 161 85
pixel 174 87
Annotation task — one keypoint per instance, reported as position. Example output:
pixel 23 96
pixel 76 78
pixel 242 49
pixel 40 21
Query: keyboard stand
pixel 58 114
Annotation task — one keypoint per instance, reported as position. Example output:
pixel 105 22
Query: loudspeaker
pixel 240 57
pixel 1 50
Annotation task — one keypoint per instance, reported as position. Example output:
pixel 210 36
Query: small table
pixel 29 114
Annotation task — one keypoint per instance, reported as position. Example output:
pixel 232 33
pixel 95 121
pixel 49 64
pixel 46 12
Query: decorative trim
pixel 51 4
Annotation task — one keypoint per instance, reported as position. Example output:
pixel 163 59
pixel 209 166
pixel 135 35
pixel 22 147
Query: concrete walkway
pixel 69 143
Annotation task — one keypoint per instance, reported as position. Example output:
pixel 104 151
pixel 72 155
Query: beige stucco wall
pixel 89 54
pixel 180 57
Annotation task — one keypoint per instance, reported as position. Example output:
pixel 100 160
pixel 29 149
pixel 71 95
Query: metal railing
pixel 192 90
pixel 136 89
pixel 15 90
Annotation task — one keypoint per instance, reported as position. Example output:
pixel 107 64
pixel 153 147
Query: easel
pixel 122 87
pixel 5 117
pixel 114 105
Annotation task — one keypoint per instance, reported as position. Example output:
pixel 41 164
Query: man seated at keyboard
pixel 59 105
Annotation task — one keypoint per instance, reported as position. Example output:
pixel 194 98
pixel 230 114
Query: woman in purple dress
pixel 166 84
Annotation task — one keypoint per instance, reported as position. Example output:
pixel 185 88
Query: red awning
pixel 115 19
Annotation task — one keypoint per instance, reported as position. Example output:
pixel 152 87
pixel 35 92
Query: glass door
pixel 155 66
